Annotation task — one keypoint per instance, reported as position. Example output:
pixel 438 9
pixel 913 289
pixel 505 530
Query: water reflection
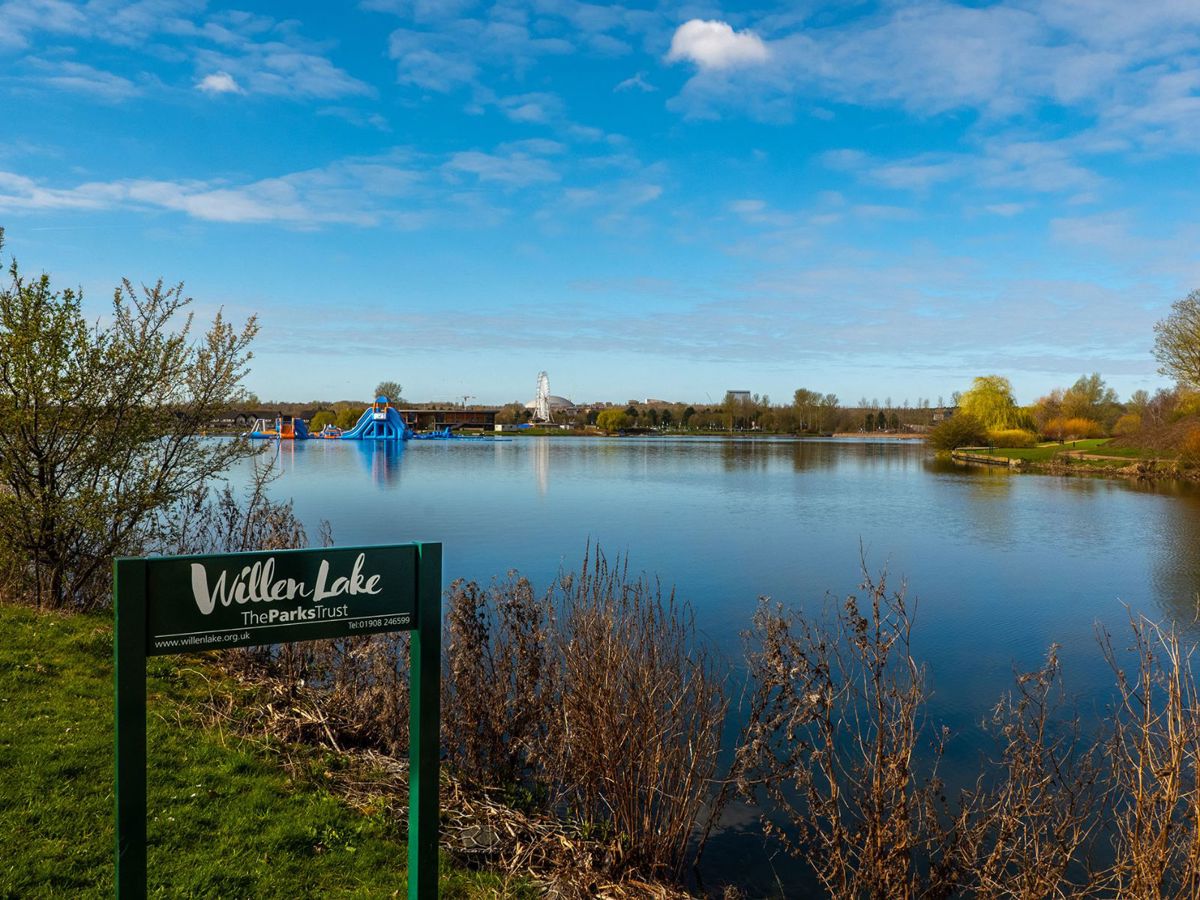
pixel 541 464
pixel 382 459
pixel 1175 548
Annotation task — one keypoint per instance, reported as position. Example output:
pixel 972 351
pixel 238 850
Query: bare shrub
pixel 832 741
pixel 1025 831
pixel 600 697
pixel 1189 450
pixel 1152 749
pixel 224 522
pixel 634 741
pixel 354 690
pixel 498 683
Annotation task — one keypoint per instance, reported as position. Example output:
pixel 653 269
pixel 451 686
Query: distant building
pixel 738 396
pixel 556 404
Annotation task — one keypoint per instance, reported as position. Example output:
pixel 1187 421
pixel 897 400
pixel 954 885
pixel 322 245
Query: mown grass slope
pixel 225 820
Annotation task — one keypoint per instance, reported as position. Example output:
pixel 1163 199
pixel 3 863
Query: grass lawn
pixel 225 820
pixel 1047 452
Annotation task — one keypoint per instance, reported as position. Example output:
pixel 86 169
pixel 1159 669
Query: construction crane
pixel 465 398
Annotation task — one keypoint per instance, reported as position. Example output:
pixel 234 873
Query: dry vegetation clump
pixel 499 685
pixel 1152 748
pixel 1025 829
pixel 835 751
pixel 600 698
pixel 1189 449
pixel 558 856
pixel 1166 437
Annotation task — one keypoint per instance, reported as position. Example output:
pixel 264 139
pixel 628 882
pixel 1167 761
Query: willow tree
pixel 102 427
pixel 990 401
pixel 1177 342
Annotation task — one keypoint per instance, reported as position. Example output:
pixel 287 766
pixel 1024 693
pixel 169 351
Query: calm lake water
pixel 1002 564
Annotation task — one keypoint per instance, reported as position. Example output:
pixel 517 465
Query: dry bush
pixel 835 728
pixel 1189 450
pixel 637 728
pixel 498 686
pixel 1012 437
pixel 1153 748
pixel 224 522
pixel 1072 429
pixel 1025 831
pixel 600 698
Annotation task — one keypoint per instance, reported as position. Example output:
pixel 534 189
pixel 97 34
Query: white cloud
pixel 713 44
pixel 219 83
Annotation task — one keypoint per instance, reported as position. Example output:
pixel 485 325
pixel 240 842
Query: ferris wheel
pixel 541 403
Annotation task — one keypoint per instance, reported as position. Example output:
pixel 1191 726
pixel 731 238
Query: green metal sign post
pixel 180 604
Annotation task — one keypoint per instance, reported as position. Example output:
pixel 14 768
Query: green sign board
pixel 243 599
pixel 182 604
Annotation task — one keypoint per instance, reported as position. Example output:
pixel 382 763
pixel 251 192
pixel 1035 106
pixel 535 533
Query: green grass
pixel 224 819
pixel 1047 452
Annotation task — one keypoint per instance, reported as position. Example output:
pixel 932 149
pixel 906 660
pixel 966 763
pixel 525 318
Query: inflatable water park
pixel 379 422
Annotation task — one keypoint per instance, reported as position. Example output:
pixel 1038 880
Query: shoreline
pixel 878 436
pixel 1148 470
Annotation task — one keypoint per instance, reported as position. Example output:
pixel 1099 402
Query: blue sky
pixel 669 200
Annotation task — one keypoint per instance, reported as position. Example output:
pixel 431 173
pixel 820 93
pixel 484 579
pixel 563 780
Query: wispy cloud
pixel 354 191
pixel 1134 71
pixel 281 69
pixel 75 77
pixel 256 53
pixel 451 57
pixel 399 188
pixel 636 82
pixel 999 164
pixel 512 169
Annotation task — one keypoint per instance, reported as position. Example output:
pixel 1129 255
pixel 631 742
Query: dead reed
pixel 598 698
pixel 830 750
pixel 1025 830
pixel 1151 748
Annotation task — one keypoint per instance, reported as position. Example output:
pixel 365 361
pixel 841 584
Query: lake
pixel 1002 564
